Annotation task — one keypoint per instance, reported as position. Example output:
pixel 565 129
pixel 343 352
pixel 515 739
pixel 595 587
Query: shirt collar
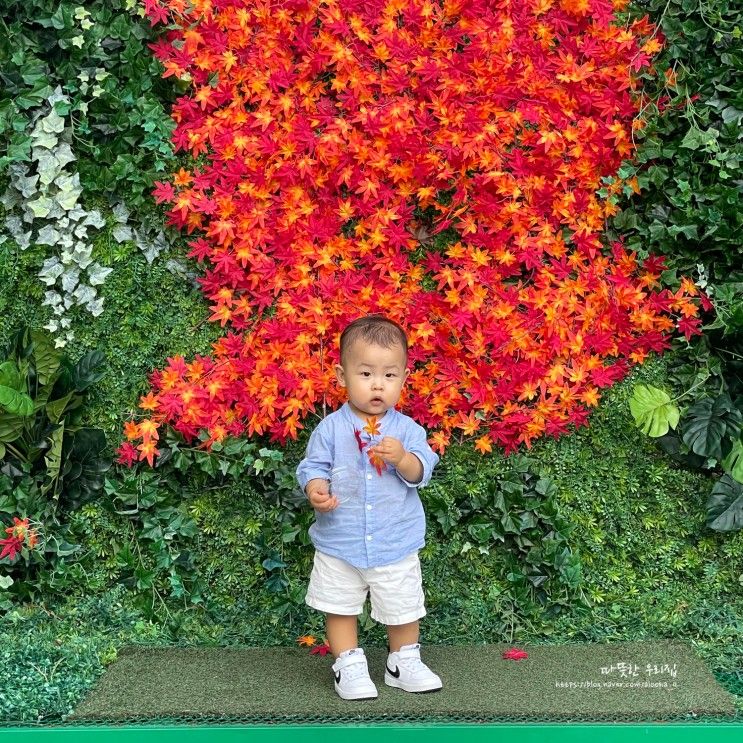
pixel 359 424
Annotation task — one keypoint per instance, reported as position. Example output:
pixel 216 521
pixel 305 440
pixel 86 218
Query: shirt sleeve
pixel 318 459
pixel 417 444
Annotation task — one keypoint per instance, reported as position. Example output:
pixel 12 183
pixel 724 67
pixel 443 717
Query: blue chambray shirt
pixel 387 521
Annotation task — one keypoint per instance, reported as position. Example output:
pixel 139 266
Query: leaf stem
pixel 693 387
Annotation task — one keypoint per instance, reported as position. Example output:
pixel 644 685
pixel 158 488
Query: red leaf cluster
pixel 336 139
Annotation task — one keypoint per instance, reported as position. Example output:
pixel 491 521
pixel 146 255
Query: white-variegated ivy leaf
pixel 50 262
pixel 44 139
pixel 40 206
pixel 52 299
pixel 179 269
pixel 70 278
pixel 52 123
pixel 98 274
pixel 48 236
pixel 23 240
pixel 59 342
pixel 96 307
pixel 56 212
pixel 77 213
pixel 51 326
pixel 17 170
pixel 69 190
pixel 50 272
pixel 94 219
pixel 121 213
pixel 84 294
pixel 68 301
pixel 122 232
pixel 81 231
pixel 57 95
pixel 13 225
pixel 150 251
pixel 65 322
pixel 81 254
pixel 150 248
pixel 48 167
pixel 10 198
pixel 3 238
pixel 27 185
pixel 64 154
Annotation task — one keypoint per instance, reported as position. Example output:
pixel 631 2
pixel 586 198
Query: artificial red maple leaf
pixel 514 654
pixel 361 443
pixel 323 649
pixel 377 462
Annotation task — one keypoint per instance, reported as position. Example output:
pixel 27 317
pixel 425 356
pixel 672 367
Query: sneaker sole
pixel 397 684
pixel 350 696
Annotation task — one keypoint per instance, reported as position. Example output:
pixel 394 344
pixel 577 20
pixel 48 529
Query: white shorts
pixel 337 587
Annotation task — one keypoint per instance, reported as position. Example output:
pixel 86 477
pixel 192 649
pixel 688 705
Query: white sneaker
pixel 405 670
pixel 352 679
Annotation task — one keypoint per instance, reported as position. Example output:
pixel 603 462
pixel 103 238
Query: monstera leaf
pixel 725 505
pixel 671 445
pixel 13 398
pixel 733 462
pixel 710 426
pixel 653 410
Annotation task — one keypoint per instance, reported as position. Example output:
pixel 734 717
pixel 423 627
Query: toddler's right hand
pixel 320 498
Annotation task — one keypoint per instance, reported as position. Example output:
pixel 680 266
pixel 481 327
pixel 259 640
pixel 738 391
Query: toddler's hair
pixel 375 329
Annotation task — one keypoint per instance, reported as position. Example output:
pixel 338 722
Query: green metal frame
pixel 433 733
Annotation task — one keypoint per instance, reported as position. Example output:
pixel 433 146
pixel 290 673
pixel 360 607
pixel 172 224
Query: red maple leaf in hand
pixel 377 462
pixel 361 443
pixel 514 654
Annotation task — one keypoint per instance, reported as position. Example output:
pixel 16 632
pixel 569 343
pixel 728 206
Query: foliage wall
pixel 212 546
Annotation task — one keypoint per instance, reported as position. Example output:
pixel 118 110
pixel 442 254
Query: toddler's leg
pixel 402 634
pixel 340 630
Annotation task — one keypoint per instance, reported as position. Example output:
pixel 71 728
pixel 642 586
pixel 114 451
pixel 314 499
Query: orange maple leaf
pixel 372 426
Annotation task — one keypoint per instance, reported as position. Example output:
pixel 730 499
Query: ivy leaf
pixel 653 410
pixel 69 190
pixel 40 206
pixel 97 274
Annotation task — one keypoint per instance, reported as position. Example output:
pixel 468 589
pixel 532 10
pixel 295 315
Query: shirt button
pixel 368 477
pixel 368 539
pixel 368 508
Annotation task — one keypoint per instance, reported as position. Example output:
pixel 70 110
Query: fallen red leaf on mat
pixel 321 649
pixel 514 654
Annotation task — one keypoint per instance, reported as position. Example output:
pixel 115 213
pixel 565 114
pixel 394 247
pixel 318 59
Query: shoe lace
pixel 354 670
pixel 414 664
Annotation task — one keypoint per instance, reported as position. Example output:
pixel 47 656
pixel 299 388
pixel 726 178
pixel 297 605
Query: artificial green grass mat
pixel 640 680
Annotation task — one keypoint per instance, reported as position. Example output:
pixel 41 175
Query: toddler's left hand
pixel 389 449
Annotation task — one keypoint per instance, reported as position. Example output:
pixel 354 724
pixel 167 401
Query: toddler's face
pixel 374 376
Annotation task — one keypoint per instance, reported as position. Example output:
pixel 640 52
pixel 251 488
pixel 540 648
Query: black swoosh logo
pixel 395 673
pixel 338 677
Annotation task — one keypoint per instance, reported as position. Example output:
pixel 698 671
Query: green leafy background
pixel 213 548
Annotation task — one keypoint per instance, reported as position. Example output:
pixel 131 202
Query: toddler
pixel 367 538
